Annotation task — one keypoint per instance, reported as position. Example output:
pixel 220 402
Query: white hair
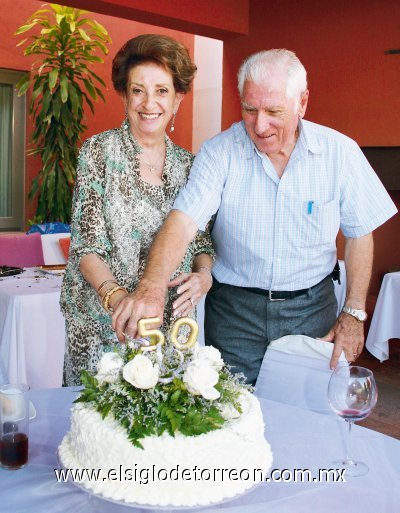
pixel 260 66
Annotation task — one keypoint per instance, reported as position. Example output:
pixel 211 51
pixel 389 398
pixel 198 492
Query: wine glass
pixel 352 395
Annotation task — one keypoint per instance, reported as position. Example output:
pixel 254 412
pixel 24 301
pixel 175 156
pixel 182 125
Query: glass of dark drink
pixel 14 426
pixel 352 395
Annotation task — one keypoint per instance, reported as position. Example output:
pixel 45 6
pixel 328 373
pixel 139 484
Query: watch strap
pixel 360 315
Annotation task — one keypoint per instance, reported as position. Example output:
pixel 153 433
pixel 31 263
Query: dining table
pixel 385 322
pixel 299 439
pixel 32 328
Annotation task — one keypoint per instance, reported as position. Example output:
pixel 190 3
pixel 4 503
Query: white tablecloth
pixel 32 330
pixel 299 439
pixel 385 323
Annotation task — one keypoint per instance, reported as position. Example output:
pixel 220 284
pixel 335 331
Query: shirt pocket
pixel 319 222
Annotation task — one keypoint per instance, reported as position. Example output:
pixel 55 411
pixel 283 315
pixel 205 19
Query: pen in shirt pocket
pixel 310 207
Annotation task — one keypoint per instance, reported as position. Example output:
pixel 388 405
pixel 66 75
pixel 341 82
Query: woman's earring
pixel 172 127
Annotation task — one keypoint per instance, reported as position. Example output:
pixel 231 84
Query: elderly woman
pixel 127 180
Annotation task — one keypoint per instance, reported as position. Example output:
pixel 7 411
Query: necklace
pixel 152 165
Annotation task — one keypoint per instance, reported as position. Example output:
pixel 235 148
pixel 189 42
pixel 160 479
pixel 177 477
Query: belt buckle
pixel 270 292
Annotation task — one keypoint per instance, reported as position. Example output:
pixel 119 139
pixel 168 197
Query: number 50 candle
pixel 158 338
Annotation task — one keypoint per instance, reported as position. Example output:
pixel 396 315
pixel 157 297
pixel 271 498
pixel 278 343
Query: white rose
pixel 212 355
pixel 141 373
pixel 200 378
pixel 108 368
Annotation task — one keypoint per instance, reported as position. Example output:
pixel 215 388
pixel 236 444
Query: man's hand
pixel 348 335
pixel 146 301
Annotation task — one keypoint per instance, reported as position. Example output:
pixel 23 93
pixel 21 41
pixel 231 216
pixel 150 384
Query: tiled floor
pixel 385 418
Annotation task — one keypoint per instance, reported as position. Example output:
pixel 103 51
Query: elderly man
pixel 278 189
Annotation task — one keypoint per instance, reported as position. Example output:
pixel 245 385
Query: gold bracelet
pixel 206 270
pixel 105 283
pixel 106 298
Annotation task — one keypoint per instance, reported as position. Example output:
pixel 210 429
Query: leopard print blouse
pixel 115 214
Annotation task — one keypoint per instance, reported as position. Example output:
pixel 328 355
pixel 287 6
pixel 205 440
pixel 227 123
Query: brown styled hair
pixel 162 50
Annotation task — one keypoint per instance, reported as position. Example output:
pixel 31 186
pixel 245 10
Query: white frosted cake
pixel 169 471
pixel 168 427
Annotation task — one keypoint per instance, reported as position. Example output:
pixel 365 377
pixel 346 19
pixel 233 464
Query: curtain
pixel 6 112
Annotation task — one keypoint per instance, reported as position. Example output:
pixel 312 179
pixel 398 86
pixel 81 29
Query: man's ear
pixel 303 103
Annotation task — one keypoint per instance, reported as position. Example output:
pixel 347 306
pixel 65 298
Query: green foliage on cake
pixel 166 390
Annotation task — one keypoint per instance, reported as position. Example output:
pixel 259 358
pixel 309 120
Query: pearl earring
pixel 172 127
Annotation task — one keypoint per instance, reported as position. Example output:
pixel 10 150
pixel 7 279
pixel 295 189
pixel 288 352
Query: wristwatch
pixel 360 315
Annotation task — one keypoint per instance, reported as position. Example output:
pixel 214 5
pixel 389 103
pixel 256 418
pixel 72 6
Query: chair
pixel 21 250
pixel 295 370
pixel 53 254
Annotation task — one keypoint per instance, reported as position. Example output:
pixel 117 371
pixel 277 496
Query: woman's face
pixel 150 100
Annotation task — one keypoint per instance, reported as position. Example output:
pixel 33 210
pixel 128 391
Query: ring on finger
pixel 191 301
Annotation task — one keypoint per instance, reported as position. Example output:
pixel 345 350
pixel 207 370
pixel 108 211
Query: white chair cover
pixel 295 370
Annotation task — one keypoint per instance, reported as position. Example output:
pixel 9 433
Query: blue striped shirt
pixel 280 233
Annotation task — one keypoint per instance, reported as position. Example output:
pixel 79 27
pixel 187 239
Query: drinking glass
pixel 14 426
pixel 352 394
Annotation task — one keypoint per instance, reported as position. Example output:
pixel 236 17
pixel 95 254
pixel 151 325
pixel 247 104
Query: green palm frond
pixel 67 42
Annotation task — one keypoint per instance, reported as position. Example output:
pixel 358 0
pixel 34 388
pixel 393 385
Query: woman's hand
pixel 191 288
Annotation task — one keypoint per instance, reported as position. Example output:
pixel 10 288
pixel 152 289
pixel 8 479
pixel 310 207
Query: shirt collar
pixel 307 137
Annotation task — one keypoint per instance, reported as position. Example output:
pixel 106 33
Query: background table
pixel 32 330
pixel 299 439
pixel 385 323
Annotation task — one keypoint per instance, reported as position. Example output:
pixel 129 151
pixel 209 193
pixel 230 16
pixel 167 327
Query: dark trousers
pixel 241 323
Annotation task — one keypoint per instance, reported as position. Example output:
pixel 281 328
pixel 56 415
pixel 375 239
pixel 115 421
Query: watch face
pixel 361 316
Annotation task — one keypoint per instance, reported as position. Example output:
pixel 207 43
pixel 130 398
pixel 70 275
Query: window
pixel 12 152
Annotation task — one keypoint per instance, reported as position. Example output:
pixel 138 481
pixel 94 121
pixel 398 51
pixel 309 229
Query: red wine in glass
pixel 14 425
pixel 353 415
pixel 352 395
pixel 14 450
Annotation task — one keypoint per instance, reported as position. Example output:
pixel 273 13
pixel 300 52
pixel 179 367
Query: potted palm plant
pixel 67 43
